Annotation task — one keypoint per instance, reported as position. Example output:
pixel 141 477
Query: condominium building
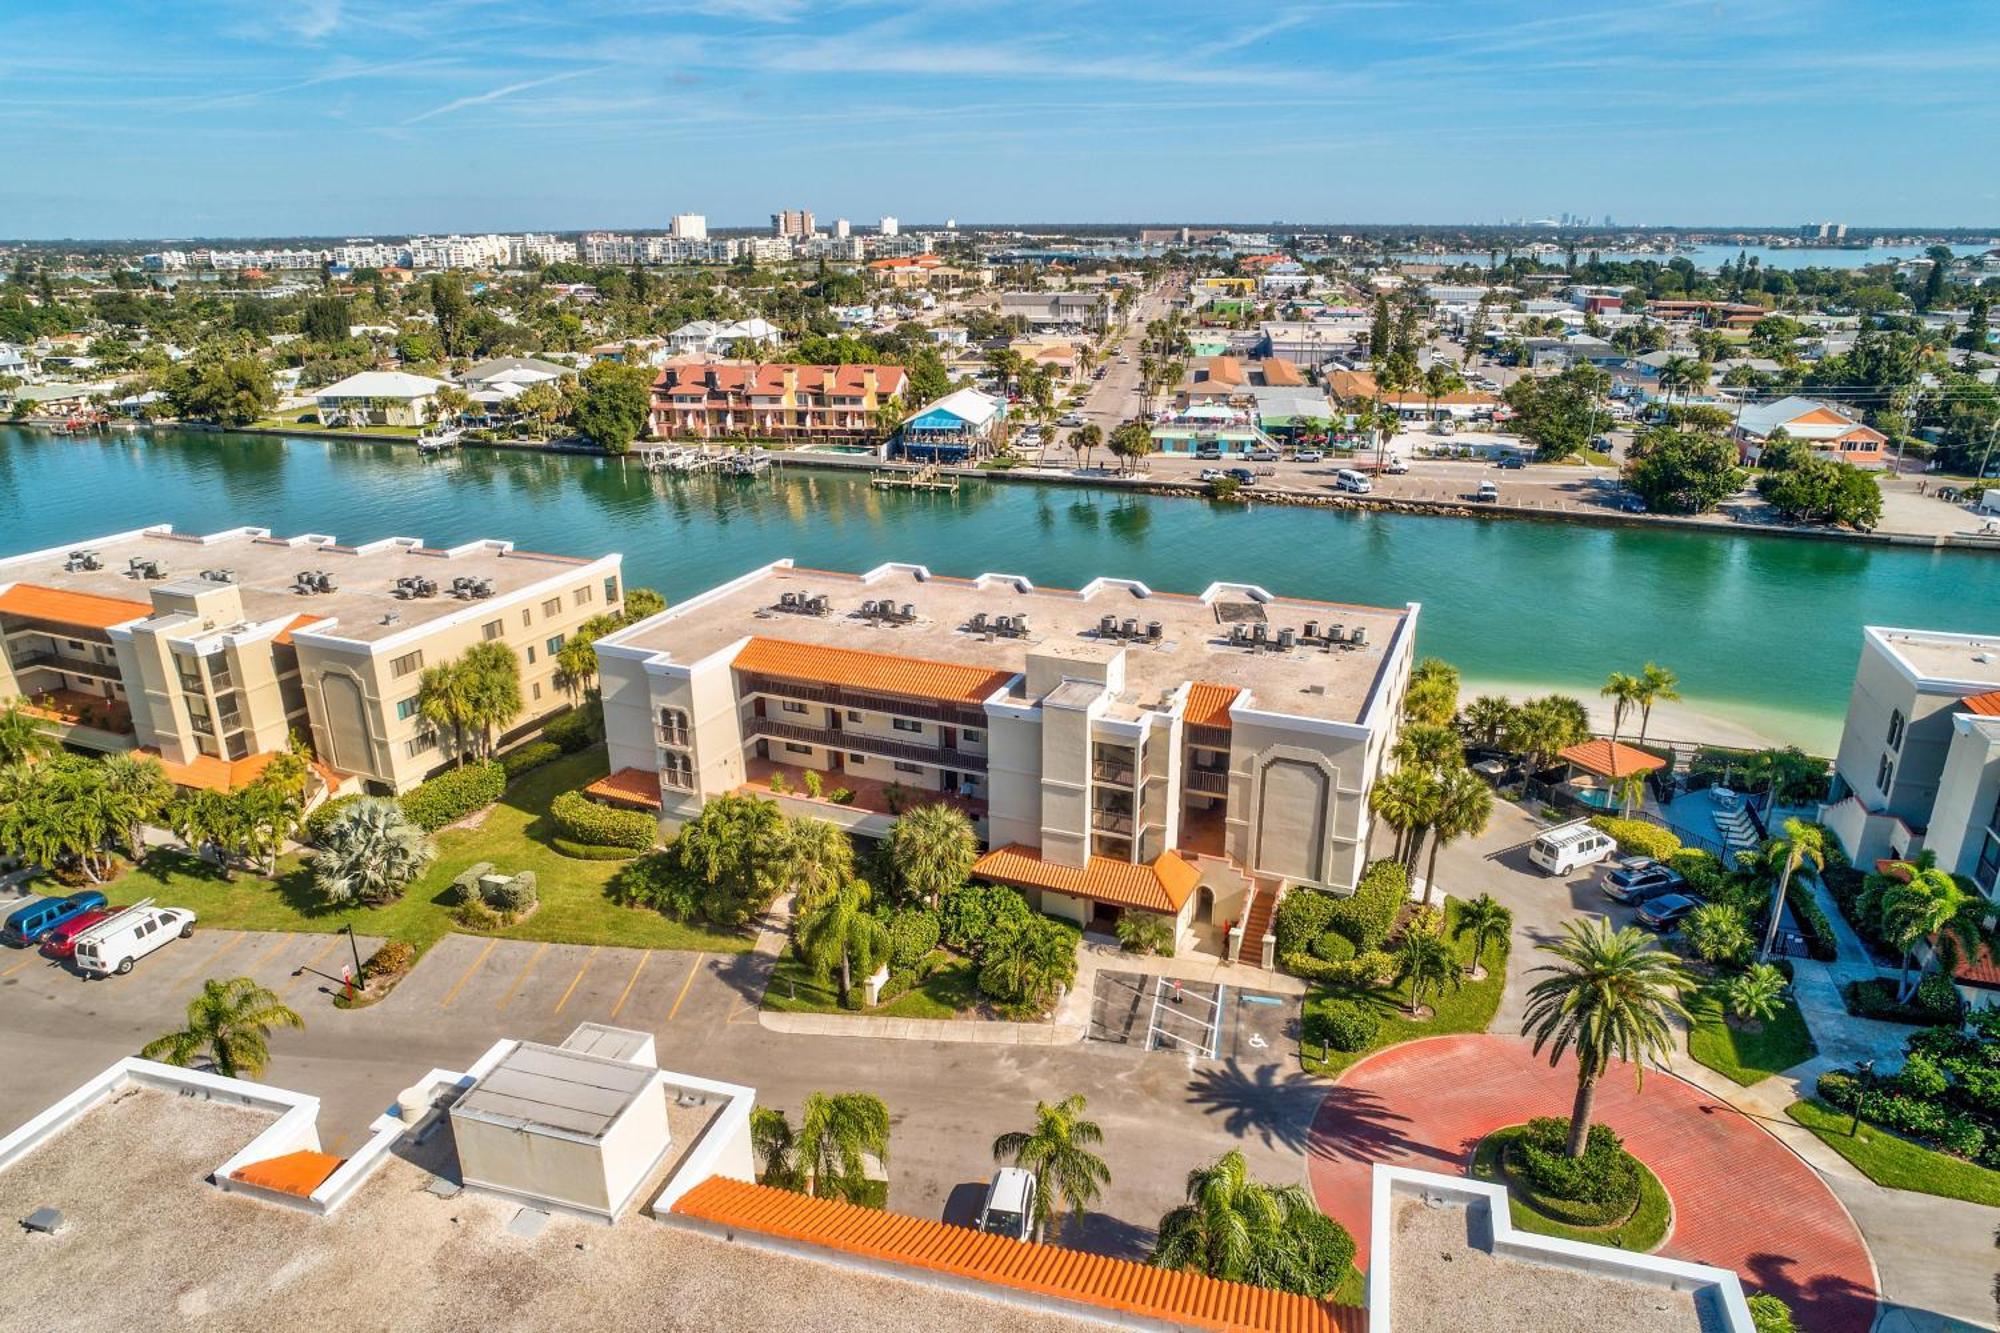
pixel 688 227
pixel 212 650
pixel 1118 749
pixel 1919 762
pixel 779 401
pixel 792 222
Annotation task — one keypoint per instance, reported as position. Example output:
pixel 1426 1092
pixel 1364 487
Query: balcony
pixel 1116 773
pixel 75 666
pixel 1112 821
pixel 858 743
pixel 678 738
pixel 1209 738
pixel 1208 781
pixel 869 796
pixel 835 697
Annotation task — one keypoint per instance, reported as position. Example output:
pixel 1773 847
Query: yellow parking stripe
pixel 583 968
pixel 313 961
pixel 626 994
pixel 237 939
pixel 265 956
pixel 686 986
pixel 452 994
pixel 534 958
pixel 31 958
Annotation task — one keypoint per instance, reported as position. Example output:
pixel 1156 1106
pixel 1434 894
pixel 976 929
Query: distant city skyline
pixel 356 117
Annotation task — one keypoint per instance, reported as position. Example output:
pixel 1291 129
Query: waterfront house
pixel 957 428
pixel 1119 749
pixel 13 362
pixel 1828 431
pixel 634 352
pixel 717 337
pixel 781 401
pixel 378 398
pixel 520 370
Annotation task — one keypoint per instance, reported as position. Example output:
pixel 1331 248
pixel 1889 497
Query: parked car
pixel 1569 847
pixel 1395 465
pixel 122 939
pixel 61 942
pixel 1347 479
pixel 1445 426
pixel 1070 419
pixel 1009 1209
pixel 1512 462
pixel 1632 504
pixel 1210 474
pixel 1243 475
pixel 1263 455
pixel 1665 913
pixel 1601 443
pixel 1488 493
pixel 1208 451
pixel 1638 879
pixel 1308 456
pixel 28 923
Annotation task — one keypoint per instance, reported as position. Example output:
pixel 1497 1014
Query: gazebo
pixel 1600 765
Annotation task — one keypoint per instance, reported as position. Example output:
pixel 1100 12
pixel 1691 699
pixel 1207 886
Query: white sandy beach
pixel 1684 719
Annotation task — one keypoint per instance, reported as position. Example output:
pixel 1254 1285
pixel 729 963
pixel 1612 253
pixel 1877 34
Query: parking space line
pixel 266 956
pixel 526 968
pixel 237 939
pixel 581 969
pixel 626 994
pixel 686 986
pixel 311 962
pixel 31 958
pixel 477 963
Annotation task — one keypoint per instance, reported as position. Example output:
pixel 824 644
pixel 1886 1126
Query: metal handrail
pixel 861 743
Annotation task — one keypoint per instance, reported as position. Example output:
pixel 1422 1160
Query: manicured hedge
pixel 530 756
pixel 465 884
pixel 1370 969
pixel 1812 920
pixel 913 933
pixel 579 819
pixel 578 729
pixel 1344 1026
pixel 585 851
pixel 454 794
pixel 323 815
pixel 1363 919
pixel 1635 837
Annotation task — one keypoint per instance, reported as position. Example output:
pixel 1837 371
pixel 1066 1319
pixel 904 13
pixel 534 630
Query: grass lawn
pixel 1468 1009
pixel 514 836
pixel 1598 458
pixel 293 420
pixel 1893 1161
pixel 1740 1056
pixel 1642 1232
pixel 950 992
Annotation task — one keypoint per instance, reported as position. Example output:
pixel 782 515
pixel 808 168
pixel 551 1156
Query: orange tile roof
pixel 60 606
pixel 1184 1300
pixel 1161 886
pixel 628 784
pixel 1987 704
pixel 1611 759
pixel 1208 705
pixel 297 1173
pixel 284 635
pixel 209 773
pixel 886 673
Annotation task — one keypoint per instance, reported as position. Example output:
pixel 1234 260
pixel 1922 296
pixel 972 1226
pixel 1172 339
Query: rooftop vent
pixel 310 581
pixel 82 560
pixel 391 617
pixel 141 567
pixel 44 1221
pixel 219 575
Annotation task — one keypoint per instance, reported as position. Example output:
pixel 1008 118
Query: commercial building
pixel 961 426
pixel 1070 310
pixel 1118 749
pixel 779 401
pixel 887 226
pixel 213 650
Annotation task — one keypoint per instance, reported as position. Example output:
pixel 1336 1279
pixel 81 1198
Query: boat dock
pixel 438 442
pixel 929 477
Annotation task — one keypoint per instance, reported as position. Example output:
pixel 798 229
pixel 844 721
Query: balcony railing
pixel 1110 821
pixel 833 696
pixel 1211 738
pixel 1208 781
pixel 859 743
pixel 76 666
pixel 1121 774
pixel 677 737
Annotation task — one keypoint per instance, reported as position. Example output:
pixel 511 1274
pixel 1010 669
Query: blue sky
pixel 281 117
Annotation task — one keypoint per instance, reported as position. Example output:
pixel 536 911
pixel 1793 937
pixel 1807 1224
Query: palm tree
pixel 931 849
pixel 818 860
pixel 447 697
pixel 1231 1227
pixel 1068 1176
pixel 1929 903
pixel 267 811
pixel 21 735
pixel 208 820
pixel 576 661
pixel 1461 805
pixel 775 1148
pixel 837 1134
pixel 1656 684
pixel 231 1022
pixel 1090 436
pixel 1623 691
pixel 841 934
pixel 496 689
pixel 1610 993
pixel 1756 993
pixel 1425 959
pixel 1802 844
pixel 1429 745
pixel 1545 727
pixel 1482 918
pixel 1433 692
pixel 1402 800
pixel 370 853
pixel 1487 718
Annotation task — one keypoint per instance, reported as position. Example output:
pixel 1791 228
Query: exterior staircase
pixel 1258 948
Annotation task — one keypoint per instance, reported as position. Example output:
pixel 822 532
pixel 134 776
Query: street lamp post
pixel 1861 1095
pixel 353 948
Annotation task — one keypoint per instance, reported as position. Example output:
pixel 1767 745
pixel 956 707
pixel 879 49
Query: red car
pixel 61 942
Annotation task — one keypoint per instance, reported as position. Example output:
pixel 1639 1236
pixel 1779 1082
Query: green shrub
pixel 394 958
pixel 1876 998
pixel 974 917
pixel 1302 917
pixel 454 794
pixel 1920 1077
pixel 1770 1314
pixel 1597 1189
pixel 580 819
pixel 516 896
pixel 1364 971
pixel 913 933
pixel 578 729
pixel 1146 932
pixel 476 915
pixel 1820 944
pixel 1635 837
pixel 1839 1089
pixel 532 755
pixel 1022 971
pixel 465 884
pixel 322 817
pixel 1703 873
pixel 1367 915
pixel 1332 947
pixel 584 851
pixel 1346 1026
pixel 1938 997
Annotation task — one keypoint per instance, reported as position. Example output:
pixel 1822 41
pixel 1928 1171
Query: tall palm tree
pixel 1429 745
pixel 1482 918
pixel 1402 800
pixel 1068 1175
pixel 1929 904
pixel 447 698
pixel 1487 716
pixel 840 934
pixel 230 1022
pixel 1091 436
pixel 837 1134
pixel 1461 805
pixel 1425 959
pixel 818 860
pixel 496 689
pixel 1802 844
pixel 775 1147
pixel 1232 1226
pixel 21 735
pixel 931 849
pixel 1623 692
pixel 1657 684
pixel 1433 693
pixel 1610 993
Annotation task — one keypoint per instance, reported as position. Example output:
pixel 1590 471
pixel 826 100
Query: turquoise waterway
pixel 1762 630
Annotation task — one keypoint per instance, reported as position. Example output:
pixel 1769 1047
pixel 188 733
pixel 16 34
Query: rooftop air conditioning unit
pixel 1107 626
pixel 909 610
pixel 1286 638
pixel 1360 635
pixel 1154 630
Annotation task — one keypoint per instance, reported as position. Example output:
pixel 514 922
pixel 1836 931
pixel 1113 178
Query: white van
pixel 118 941
pixel 1569 847
pixel 1009 1209
pixel 1347 479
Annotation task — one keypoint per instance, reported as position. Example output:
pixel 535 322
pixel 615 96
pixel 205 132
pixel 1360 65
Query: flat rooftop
pixel 1305 681
pixel 267 567
pixel 128 1177
pixel 1448 1280
pixel 1934 655
pixel 541 1088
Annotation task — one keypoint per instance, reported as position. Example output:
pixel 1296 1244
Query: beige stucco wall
pixel 1064 836
pixel 1014 776
pixel 1966 794
pixel 1881 689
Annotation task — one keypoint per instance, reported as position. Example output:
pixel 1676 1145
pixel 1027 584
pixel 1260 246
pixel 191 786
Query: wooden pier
pixel 929 477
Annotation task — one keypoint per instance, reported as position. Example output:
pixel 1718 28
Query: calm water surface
pixel 1763 630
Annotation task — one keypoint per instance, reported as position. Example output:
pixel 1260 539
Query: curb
pixel 968 1031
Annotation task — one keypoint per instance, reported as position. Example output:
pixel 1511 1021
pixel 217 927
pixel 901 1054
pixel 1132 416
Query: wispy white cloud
pixel 495 95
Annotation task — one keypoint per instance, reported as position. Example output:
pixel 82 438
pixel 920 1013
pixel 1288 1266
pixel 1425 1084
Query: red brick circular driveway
pixel 1742 1200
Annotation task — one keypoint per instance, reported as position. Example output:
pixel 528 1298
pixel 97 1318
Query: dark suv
pixel 1639 879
